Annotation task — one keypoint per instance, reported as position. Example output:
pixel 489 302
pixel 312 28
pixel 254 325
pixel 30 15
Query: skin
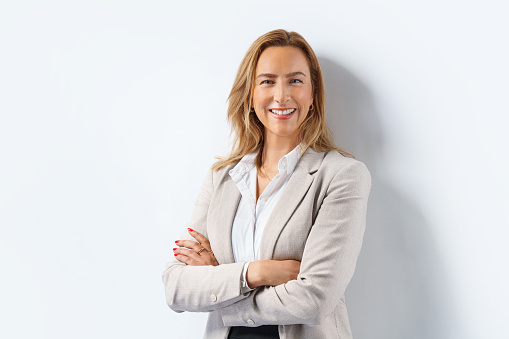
pixel 282 81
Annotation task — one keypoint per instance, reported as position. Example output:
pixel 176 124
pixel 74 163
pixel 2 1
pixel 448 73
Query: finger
pixel 185 259
pixel 179 257
pixel 194 247
pixel 189 244
pixel 187 252
pixel 201 239
pixel 187 255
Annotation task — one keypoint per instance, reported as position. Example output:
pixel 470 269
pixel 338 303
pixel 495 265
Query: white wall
pixel 111 112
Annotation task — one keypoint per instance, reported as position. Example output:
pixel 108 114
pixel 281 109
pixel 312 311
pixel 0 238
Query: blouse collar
pixel 286 163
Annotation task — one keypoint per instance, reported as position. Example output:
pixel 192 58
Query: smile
pixel 282 111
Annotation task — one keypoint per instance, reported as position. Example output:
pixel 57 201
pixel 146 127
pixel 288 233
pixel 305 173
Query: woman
pixel 278 225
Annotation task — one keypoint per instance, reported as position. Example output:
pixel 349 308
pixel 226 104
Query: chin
pixel 284 133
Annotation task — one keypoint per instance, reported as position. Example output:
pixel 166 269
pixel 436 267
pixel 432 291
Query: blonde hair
pixel 247 129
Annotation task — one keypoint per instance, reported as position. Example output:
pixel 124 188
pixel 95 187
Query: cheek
pixel 259 97
pixel 303 117
pixel 305 97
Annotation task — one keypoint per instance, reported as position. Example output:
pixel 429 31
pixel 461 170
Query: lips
pixel 282 111
pixel 286 113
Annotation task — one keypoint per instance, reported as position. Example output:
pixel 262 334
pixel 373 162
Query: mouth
pixel 282 113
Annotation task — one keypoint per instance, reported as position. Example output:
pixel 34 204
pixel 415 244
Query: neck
pixel 275 148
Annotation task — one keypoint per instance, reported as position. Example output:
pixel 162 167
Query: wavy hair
pixel 247 129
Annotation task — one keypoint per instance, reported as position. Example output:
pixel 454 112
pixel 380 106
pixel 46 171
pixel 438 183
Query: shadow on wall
pixel 399 289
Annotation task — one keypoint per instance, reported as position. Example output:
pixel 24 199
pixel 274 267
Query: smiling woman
pixel 283 93
pixel 278 225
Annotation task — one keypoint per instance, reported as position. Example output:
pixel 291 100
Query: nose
pixel 281 93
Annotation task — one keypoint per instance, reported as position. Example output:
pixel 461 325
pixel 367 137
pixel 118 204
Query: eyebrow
pixel 270 75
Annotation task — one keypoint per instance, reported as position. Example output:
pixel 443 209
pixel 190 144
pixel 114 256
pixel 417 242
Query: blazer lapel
pixel 221 222
pixel 294 192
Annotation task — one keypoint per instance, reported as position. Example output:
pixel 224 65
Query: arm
pixel 201 288
pixel 328 261
pixel 271 272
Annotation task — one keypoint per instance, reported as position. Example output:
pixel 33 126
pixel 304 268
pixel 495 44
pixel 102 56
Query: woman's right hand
pixel 271 272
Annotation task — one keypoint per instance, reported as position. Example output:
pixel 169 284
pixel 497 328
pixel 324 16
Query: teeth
pixel 283 112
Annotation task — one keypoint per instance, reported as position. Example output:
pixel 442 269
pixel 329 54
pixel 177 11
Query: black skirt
pixel 260 332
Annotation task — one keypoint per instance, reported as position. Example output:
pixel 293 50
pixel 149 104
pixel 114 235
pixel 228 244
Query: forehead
pixel 281 60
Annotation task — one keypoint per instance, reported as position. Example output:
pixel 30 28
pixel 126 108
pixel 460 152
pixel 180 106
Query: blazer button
pixel 213 297
pixel 250 321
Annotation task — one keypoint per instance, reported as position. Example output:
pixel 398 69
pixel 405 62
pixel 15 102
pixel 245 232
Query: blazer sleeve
pixel 328 261
pixel 201 288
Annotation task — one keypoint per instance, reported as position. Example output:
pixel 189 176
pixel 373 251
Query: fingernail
pixel 174 249
pixel 176 254
pixel 176 241
pixel 190 230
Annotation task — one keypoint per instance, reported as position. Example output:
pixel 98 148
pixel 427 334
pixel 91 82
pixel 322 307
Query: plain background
pixel 112 111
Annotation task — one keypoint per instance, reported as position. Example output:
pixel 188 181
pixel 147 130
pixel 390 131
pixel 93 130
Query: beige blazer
pixel 319 219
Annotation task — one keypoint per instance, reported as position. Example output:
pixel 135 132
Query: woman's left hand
pixel 195 253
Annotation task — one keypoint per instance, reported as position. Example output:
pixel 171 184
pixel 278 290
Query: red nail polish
pixel 190 230
pixel 174 249
pixel 176 241
pixel 176 254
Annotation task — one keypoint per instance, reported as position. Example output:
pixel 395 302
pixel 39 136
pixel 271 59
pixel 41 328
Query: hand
pixel 195 253
pixel 271 272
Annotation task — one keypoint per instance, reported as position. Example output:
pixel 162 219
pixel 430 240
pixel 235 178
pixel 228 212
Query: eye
pixel 296 81
pixel 266 82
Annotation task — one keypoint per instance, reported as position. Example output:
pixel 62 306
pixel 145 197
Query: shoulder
pixel 336 162
pixel 332 162
pixel 334 167
pixel 221 175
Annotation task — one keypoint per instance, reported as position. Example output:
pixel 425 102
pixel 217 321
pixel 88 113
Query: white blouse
pixel 251 217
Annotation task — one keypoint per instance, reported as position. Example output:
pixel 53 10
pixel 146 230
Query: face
pixel 283 91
